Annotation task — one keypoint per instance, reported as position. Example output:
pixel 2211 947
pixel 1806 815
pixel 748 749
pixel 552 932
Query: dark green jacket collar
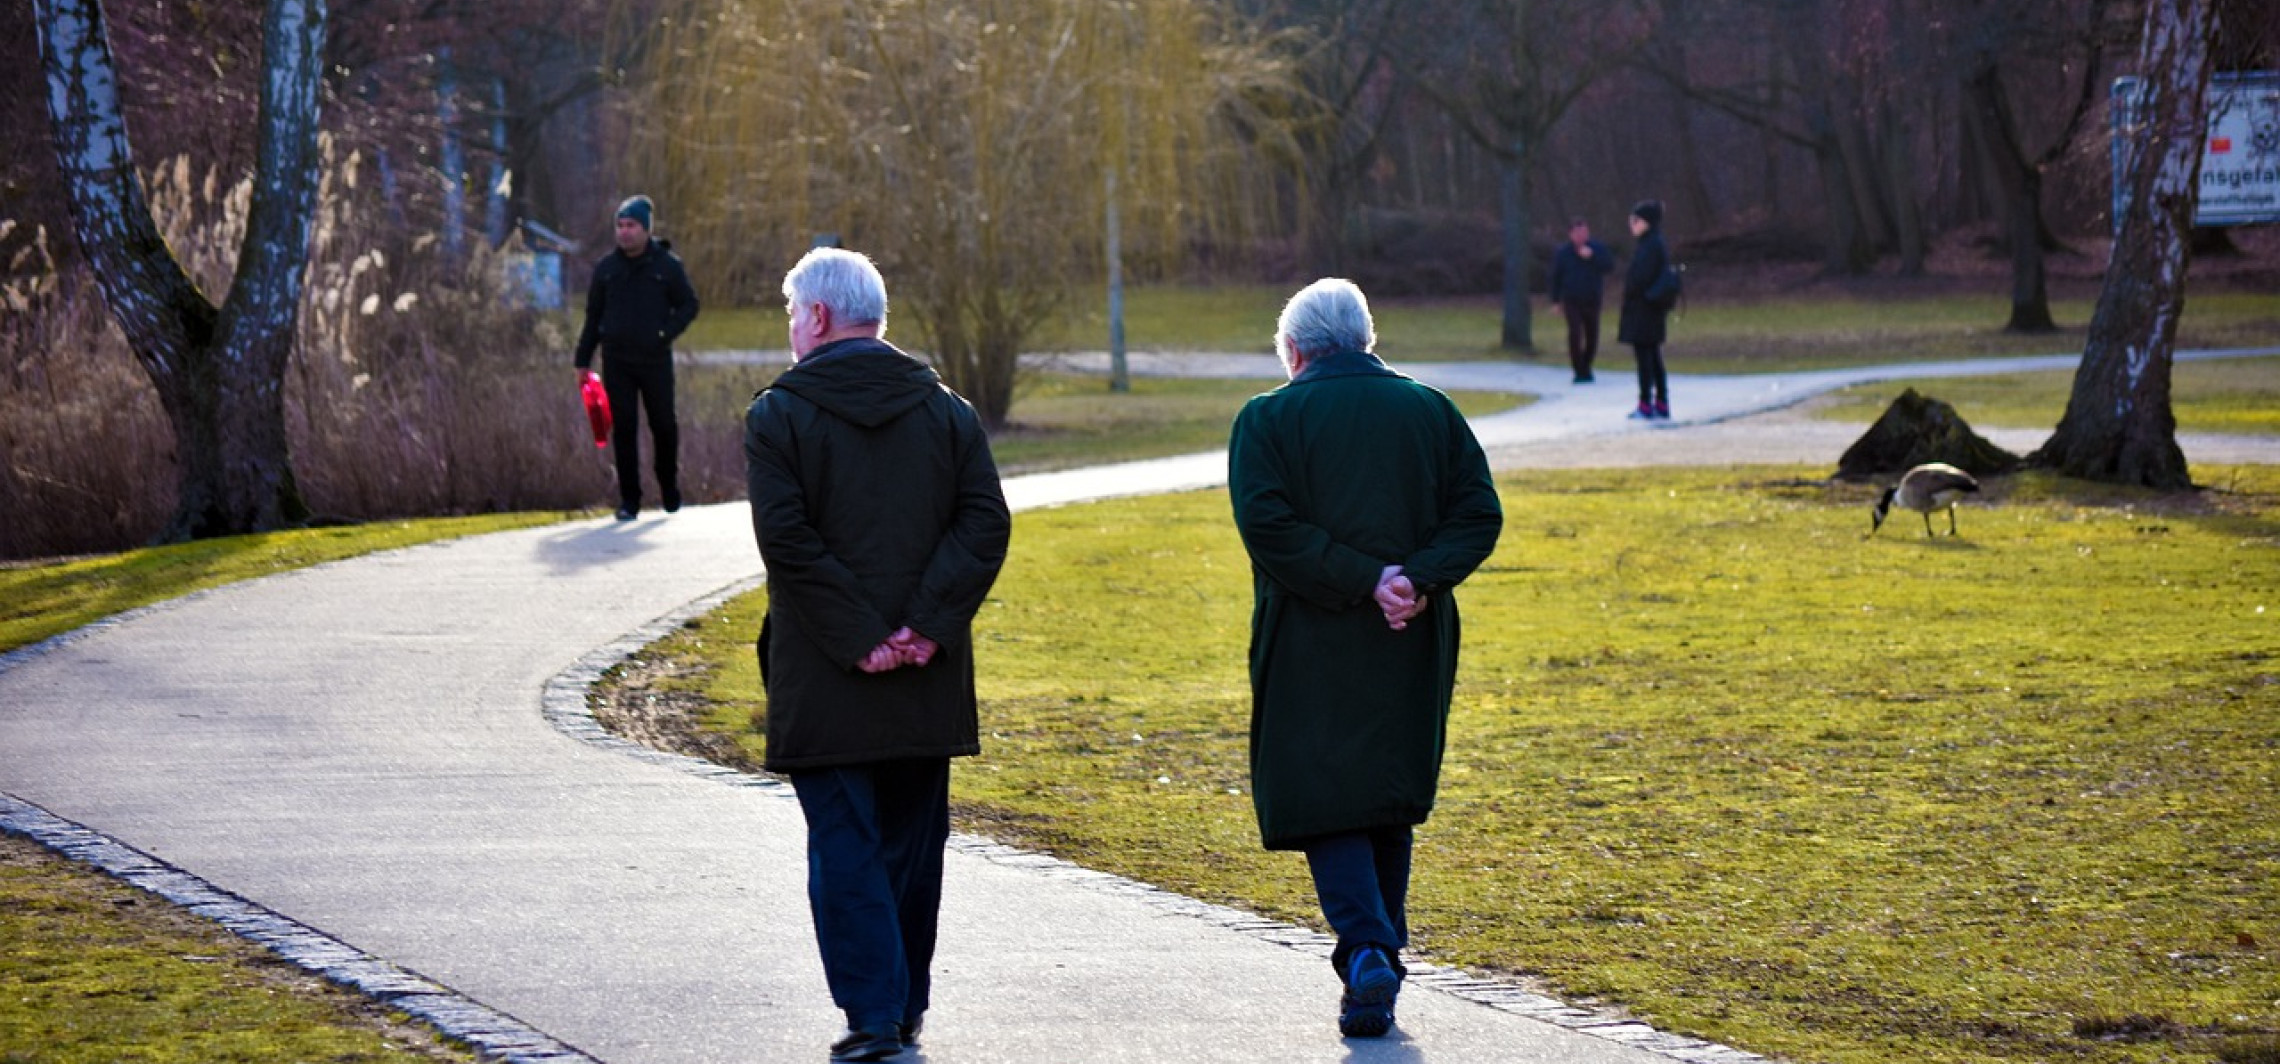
pixel 1344 364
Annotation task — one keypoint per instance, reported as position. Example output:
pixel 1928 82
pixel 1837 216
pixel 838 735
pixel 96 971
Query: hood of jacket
pixel 865 381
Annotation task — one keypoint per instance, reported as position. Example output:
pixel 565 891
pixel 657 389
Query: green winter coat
pixel 1345 470
pixel 877 505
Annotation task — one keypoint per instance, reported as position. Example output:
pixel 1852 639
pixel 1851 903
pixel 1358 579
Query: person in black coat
pixel 638 303
pixel 1578 287
pixel 882 525
pixel 1650 288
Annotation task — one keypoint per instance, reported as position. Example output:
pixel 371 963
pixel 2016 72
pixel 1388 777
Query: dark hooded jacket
pixel 1646 313
pixel 877 505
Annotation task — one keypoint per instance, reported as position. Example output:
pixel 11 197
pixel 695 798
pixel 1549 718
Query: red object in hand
pixel 597 407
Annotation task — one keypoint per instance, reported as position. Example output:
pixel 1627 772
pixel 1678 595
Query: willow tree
pixel 219 367
pixel 967 147
pixel 2119 426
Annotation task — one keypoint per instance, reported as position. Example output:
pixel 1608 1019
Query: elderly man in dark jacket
pixel 638 303
pixel 882 526
pixel 1363 499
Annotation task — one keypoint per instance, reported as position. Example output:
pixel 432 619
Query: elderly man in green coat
pixel 1363 499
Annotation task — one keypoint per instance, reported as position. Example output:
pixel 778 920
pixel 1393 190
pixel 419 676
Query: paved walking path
pixel 382 768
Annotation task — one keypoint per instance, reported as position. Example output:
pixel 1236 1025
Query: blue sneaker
pixel 1366 1010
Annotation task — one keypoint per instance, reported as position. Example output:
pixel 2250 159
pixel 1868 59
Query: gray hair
pixel 845 282
pixel 1326 316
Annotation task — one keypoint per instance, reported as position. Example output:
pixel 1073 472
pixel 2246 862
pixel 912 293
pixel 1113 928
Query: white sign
pixel 2240 160
pixel 2240 163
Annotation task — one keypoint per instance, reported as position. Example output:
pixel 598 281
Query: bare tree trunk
pixel 1513 204
pixel 1989 110
pixel 219 372
pixel 1856 145
pixel 1900 176
pixel 2118 426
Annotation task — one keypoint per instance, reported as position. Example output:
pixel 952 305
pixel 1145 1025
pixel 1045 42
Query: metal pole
pixel 1119 378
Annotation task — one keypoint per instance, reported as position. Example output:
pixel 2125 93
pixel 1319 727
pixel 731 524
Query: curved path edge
pixel 568 708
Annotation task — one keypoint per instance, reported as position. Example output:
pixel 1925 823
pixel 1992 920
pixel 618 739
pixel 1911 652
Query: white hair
pixel 1327 316
pixel 845 282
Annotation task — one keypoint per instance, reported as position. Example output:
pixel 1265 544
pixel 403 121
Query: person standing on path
pixel 638 303
pixel 1578 289
pixel 1650 288
pixel 882 525
pixel 1363 499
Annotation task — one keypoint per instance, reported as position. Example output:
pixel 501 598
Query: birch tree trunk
pixel 219 371
pixel 2118 425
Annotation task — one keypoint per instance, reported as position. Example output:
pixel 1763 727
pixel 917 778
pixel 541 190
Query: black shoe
pixel 909 1028
pixel 625 513
pixel 673 501
pixel 1645 412
pixel 1366 1010
pixel 868 1043
pixel 1585 379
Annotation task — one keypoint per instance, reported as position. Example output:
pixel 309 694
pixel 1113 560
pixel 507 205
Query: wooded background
pixel 1374 136
pixel 994 155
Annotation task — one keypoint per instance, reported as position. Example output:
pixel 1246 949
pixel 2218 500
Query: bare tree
pixel 1996 41
pixel 219 369
pixel 1806 91
pixel 2118 425
pixel 1507 71
pixel 1354 90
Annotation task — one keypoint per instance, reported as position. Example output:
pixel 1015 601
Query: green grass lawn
pixel 96 972
pixel 1719 760
pixel 2234 395
pixel 1812 331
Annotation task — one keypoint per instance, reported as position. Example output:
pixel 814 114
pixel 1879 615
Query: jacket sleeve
pixel 1295 553
pixel 590 336
pixel 1601 258
pixel 966 561
pixel 1471 516
pixel 803 575
pixel 680 303
pixel 1558 283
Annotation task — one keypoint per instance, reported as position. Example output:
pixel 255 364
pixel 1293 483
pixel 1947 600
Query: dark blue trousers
pixel 875 838
pixel 1362 879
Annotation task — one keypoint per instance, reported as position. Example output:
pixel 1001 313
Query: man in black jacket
pixel 638 303
pixel 1579 274
pixel 882 526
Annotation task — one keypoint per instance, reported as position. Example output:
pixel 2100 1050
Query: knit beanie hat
pixel 1649 211
pixel 636 208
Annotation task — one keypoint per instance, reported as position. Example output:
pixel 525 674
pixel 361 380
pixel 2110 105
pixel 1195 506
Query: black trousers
pixel 875 838
pixel 637 384
pixel 1654 384
pixel 1583 334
